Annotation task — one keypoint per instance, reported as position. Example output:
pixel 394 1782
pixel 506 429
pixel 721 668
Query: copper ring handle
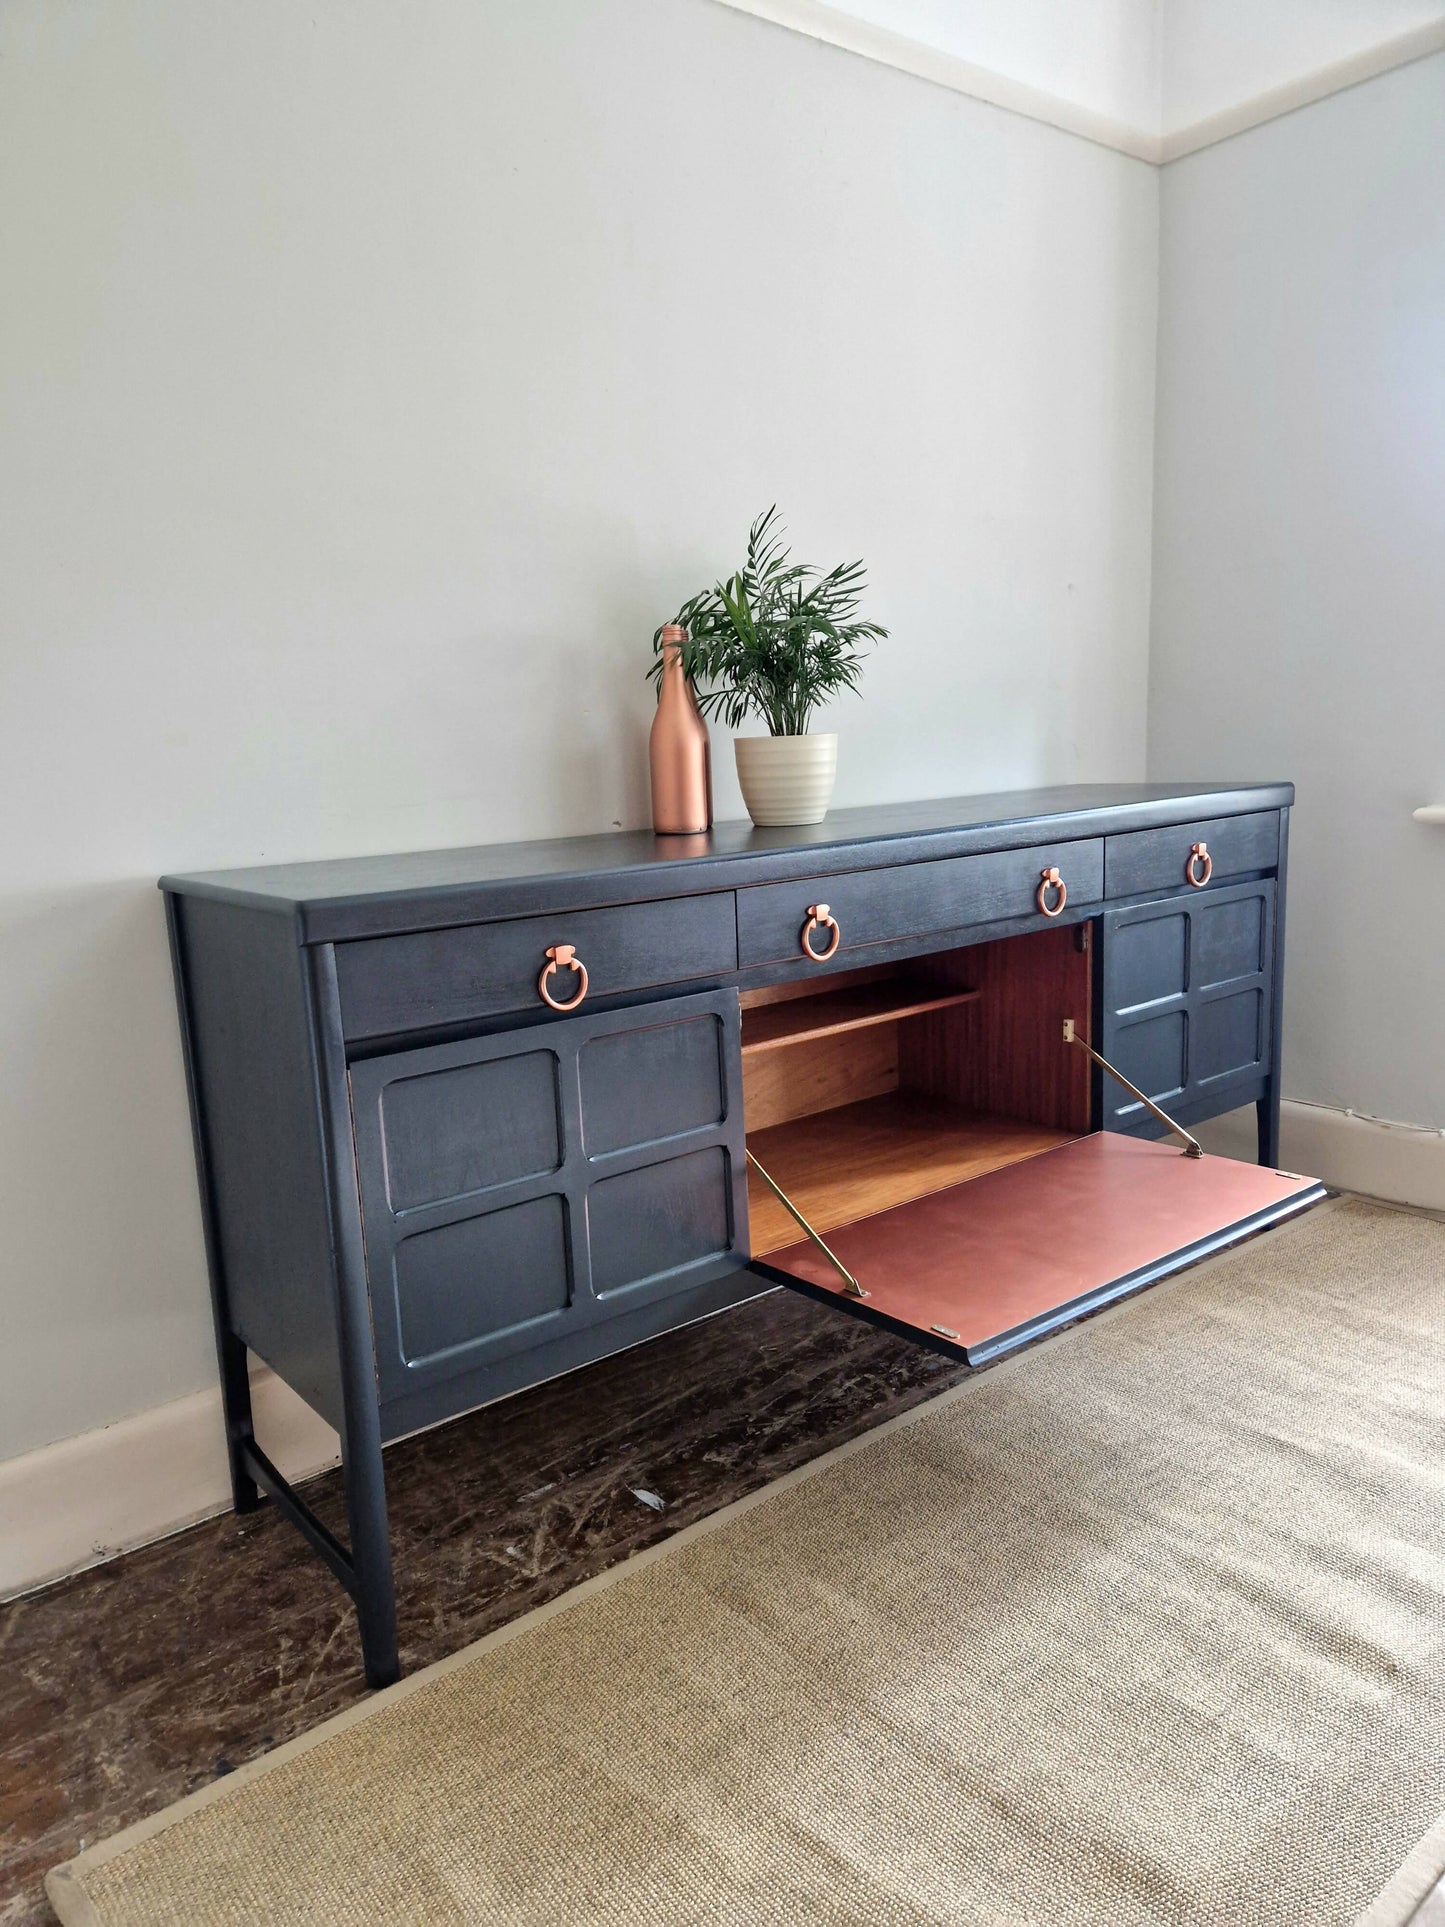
pixel 820 917
pixel 1199 853
pixel 561 956
pixel 1051 880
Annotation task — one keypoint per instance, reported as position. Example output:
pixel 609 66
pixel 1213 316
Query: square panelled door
pixel 519 1186
pixel 1187 995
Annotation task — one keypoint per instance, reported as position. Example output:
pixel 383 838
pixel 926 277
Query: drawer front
pixel 1160 859
pixel 390 985
pixel 913 900
pixel 522 1188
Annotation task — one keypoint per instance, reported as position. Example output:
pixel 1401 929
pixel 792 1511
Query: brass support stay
pixel 850 1283
pixel 1192 1147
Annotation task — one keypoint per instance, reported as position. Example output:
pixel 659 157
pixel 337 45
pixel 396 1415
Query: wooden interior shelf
pixel 858 1159
pixel 853 1008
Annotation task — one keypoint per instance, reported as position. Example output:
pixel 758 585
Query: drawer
pixel 1159 859
pixel 913 900
pixel 429 978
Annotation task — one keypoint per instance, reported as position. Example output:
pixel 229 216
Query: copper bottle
pixel 678 749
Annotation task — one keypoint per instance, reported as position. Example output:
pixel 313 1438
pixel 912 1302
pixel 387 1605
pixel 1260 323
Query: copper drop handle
pixel 1199 854
pixel 1051 880
pixel 561 956
pixel 820 917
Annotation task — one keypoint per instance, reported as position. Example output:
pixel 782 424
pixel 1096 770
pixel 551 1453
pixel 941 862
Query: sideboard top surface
pixel 337 899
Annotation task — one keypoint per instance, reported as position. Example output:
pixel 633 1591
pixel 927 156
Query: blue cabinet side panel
pixel 256 1098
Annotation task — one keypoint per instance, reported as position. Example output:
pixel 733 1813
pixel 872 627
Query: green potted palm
pixel 776 641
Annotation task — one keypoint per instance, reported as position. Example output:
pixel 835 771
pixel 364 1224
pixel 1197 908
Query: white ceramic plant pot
pixel 786 779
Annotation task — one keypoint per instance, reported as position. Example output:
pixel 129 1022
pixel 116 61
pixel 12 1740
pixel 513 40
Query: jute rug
pixel 1147 1625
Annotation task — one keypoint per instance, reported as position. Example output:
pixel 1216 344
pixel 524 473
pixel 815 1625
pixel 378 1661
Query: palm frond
pixel 777 638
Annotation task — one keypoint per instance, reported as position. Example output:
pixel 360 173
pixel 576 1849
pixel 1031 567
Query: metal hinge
pixel 1192 1147
pixel 850 1283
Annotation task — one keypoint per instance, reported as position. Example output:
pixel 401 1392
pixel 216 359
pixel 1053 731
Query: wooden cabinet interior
pixel 871 1087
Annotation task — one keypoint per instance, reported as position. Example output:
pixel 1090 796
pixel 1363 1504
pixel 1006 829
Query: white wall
pixel 1299 555
pixel 372 380
pixel 1215 56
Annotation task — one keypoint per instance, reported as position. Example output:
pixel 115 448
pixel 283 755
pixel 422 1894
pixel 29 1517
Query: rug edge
pixel 73 1905
pixel 1421 1871
pixel 67 1877
pixel 63 1882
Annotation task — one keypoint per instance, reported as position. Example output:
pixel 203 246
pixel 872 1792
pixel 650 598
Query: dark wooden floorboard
pixel 125 1688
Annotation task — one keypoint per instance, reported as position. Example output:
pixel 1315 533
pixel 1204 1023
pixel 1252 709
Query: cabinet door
pixel 977 1269
pixel 521 1187
pixel 1187 998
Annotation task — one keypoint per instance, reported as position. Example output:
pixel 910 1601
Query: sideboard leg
pixel 364 1477
pixel 375 1593
pixel 373 1587
pixel 1267 1108
pixel 1267 1115
pixel 236 1411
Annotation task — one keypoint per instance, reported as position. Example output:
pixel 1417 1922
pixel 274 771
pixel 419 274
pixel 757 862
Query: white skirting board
pixel 75 1503
pixel 82 1500
pixel 1400 1162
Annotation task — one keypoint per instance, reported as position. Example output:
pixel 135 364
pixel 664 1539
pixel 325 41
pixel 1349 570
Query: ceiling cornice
pixel 1367 64
pixel 855 36
pixel 837 28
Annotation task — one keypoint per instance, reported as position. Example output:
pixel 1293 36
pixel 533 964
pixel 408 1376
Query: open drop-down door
pixel 982 1267
pixel 966 1206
